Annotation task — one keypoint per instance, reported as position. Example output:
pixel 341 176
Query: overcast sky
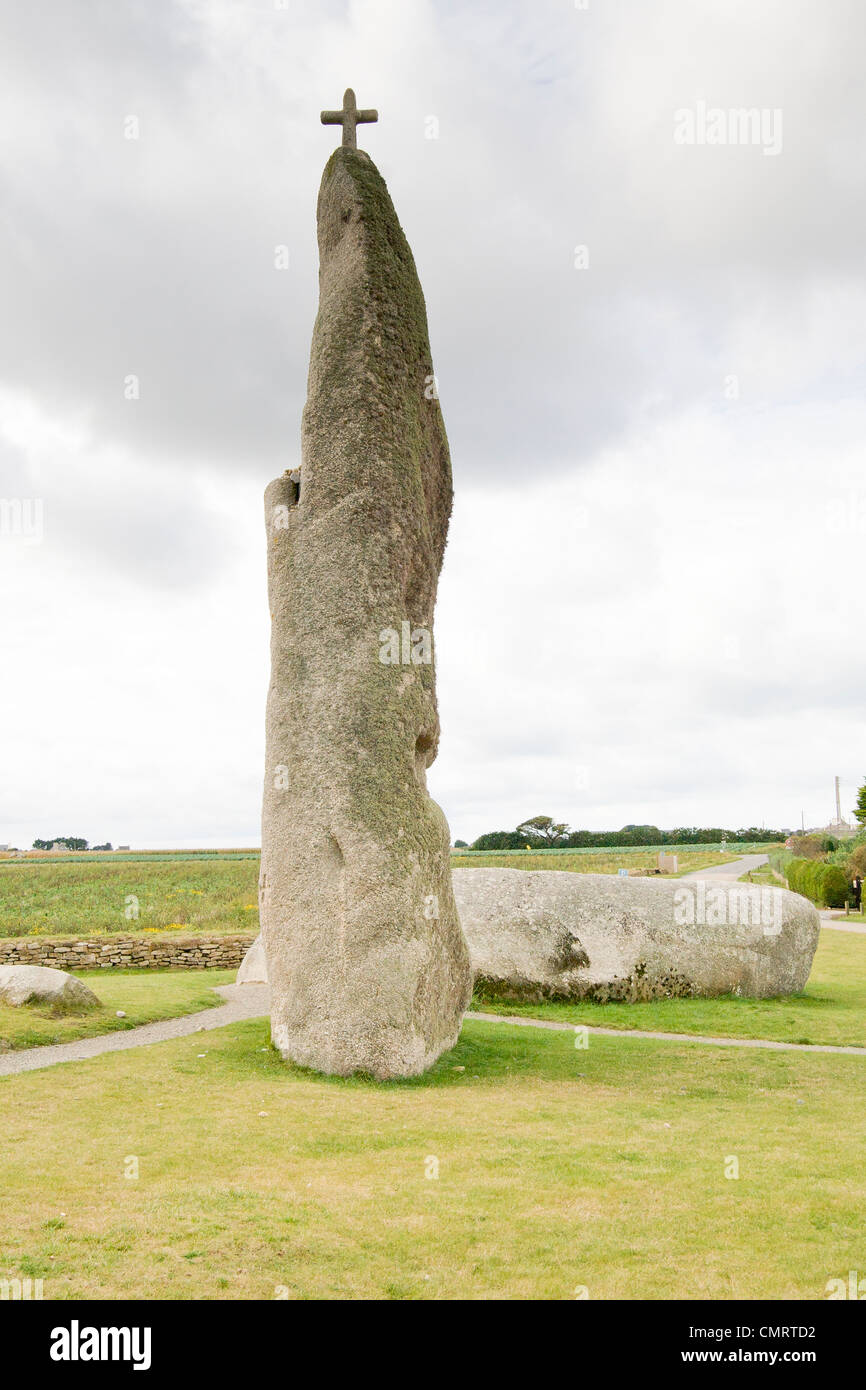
pixel 650 348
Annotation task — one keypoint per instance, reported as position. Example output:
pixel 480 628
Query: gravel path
pixel 243 1001
pixel 252 1001
pixel 672 1037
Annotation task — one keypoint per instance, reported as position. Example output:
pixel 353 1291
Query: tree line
pixel 543 832
pixel 69 842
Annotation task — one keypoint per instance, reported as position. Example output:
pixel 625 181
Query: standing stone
pixel 368 965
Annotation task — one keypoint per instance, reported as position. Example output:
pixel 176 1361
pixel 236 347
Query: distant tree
pixel 499 839
pixel 95 849
pixel 540 832
pixel 860 808
pixel 458 844
pixel 70 842
pixel 545 829
pixel 644 834
pixel 857 863
pixel 811 846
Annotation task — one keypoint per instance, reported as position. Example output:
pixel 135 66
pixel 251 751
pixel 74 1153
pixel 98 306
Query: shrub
pixel 834 886
pixel 813 878
pixel 503 839
pixel 824 884
pixel 811 846
pixel 795 872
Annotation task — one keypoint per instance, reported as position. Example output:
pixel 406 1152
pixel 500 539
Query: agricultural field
pixel 63 897
pixel 595 861
pixel 74 895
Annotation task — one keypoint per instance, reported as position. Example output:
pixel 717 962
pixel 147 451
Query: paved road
pixel 244 1001
pixel 734 870
pixel 828 919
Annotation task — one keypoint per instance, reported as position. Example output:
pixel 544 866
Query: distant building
pixel 122 849
pixel 840 829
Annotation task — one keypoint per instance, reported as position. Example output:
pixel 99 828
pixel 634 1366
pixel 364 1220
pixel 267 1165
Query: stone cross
pixel 349 118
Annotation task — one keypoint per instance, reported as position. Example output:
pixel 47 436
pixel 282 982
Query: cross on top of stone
pixel 349 118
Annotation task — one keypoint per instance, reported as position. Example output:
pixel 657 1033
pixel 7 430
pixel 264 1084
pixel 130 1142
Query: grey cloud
pixel 156 256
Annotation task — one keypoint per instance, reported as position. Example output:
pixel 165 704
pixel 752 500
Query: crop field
pixel 60 898
pixel 74 895
pixel 593 861
pixel 217 892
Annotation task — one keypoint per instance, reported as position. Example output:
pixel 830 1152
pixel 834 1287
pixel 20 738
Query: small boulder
pixel 39 984
pixel 254 966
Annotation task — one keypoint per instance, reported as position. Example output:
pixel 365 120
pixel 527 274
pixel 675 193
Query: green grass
pixel 558 1169
pixel 763 874
pixel 832 1008
pixel 145 996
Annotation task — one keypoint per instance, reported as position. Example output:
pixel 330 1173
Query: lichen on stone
pixel 363 979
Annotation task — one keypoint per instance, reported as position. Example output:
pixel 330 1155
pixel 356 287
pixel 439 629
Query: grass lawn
pixel 832 1008
pixel 558 1170
pixel 145 996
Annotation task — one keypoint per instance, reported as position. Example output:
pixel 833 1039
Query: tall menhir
pixel 368 966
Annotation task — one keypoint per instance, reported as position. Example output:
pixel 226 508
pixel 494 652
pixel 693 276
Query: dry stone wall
pixel 128 952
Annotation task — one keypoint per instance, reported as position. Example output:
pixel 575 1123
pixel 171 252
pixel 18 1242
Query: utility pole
pixel 838 804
